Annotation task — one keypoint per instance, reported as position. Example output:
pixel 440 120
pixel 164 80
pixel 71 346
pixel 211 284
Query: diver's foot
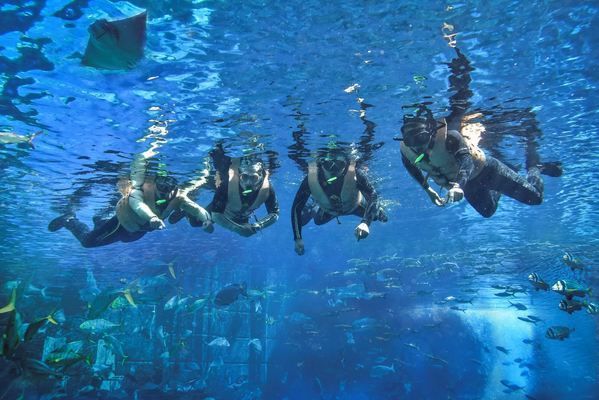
pixel 552 168
pixel 59 222
pixel 382 215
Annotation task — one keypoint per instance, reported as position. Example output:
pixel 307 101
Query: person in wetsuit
pixel 452 158
pixel 147 200
pixel 242 186
pixel 338 187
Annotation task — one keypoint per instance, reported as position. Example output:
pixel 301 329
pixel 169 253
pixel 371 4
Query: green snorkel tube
pixel 419 158
pixel 160 202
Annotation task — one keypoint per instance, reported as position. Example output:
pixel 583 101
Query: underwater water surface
pixel 435 304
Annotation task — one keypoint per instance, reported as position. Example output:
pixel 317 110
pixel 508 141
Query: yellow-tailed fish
pixel 11 303
pixel 129 297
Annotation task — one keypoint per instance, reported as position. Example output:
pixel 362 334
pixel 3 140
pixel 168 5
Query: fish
pixel 456 308
pixel 502 349
pixel 116 45
pixel 255 344
pixel 519 306
pixel 14 138
pixel 504 294
pixel 11 334
pixel 115 345
pixel 412 345
pixel 364 324
pixel 169 305
pixel 38 367
pixel 229 294
pixel 536 319
pixel 35 326
pixel 437 359
pixel 219 342
pixel 512 386
pixel 101 302
pixel 378 371
pixel 592 308
pixel 66 358
pixel 171 270
pixel 11 302
pixel 537 282
pixel 571 306
pixel 570 289
pixel 198 304
pixel 558 332
pixel 97 325
pixel 527 320
pixel 574 263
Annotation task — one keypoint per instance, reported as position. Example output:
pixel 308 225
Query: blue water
pixel 256 72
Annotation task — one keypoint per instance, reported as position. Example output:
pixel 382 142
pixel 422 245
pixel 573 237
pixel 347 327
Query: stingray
pixel 116 44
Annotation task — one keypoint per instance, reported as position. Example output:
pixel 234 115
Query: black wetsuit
pixel 105 232
pixel 219 202
pixel 300 215
pixel 484 190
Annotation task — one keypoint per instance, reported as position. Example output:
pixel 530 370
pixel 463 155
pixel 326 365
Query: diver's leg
pixel 527 190
pixel 100 236
pixel 480 196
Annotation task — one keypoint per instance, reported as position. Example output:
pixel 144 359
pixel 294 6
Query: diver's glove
pixel 156 223
pixel 454 194
pixel 299 247
pixel 208 226
pixel 362 231
pixel 434 196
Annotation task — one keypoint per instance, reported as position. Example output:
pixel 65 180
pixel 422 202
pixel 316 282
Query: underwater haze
pixel 436 303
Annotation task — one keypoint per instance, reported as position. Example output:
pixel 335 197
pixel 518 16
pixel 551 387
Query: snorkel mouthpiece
pixel 331 179
pixel 246 192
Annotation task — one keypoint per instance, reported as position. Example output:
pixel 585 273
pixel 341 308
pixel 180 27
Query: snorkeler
pixel 242 186
pixel 452 158
pixel 147 200
pixel 335 181
pixel 338 187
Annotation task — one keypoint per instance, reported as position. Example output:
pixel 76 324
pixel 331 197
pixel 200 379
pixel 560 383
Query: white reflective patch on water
pixel 202 16
pixel 500 327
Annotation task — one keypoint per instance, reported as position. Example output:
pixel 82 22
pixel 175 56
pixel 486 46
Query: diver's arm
pixel 414 172
pixel 139 166
pixel 138 176
pixel 371 196
pixel 272 207
pixel 193 209
pixel 423 181
pixel 299 202
pixel 242 229
pixel 137 204
pixel 459 82
pixel 220 160
pixel 456 145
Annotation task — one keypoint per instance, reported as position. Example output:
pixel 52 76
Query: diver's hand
pixel 208 226
pixel 299 247
pixel 156 223
pixel 362 231
pixel 454 194
pixel 256 227
pixel 434 196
